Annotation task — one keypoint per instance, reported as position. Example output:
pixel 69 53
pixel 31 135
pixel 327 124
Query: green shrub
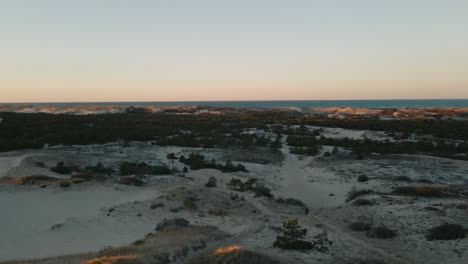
pixel 293 237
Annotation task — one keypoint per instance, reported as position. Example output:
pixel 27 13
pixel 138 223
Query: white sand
pixel 28 216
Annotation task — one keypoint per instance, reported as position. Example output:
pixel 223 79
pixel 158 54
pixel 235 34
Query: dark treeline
pixel 198 161
pixel 19 131
pixel 366 146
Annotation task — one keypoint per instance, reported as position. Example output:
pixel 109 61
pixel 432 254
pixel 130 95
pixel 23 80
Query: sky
pixel 174 50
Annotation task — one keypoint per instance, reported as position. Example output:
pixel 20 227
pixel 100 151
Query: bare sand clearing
pixel 33 220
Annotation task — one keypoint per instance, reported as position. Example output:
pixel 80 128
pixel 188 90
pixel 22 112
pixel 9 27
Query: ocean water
pixel 291 103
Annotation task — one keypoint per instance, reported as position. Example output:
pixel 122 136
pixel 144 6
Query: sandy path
pixel 315 196
pixel 297 173
pixel 8 163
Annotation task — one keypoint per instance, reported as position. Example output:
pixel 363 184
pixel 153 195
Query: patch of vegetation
pixel 362 202
pixel 381 232
pixel 171 156
pixel 355 193
pixel 157 205
pixel 217 212
pixel 21 131
pixel 64 184
pixel 131 180
pixel 446 232
pixel 60 168
pixel 197 161
pixel 362 178
pixel 212 182
pixel 422 191
pixel 40 164
pixel 294 235
pixel 402 179
pixel 366 147
pixel 425 181
pixel 249 185
pixel 173 223
pixel 291 201
pixel 99 168
pixel 306 151
pixel 142 168
pixel 360 226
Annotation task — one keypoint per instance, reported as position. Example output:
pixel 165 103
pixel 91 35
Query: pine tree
pixel 293 232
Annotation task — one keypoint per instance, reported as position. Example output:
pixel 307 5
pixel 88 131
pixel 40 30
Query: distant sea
pixel 292 103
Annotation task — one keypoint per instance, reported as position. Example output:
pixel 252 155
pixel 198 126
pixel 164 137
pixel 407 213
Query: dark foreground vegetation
pixel 293 236
pixel 21 131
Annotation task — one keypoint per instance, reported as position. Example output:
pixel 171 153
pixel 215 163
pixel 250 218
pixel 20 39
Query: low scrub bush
pixel 173 223
pixel 354 193
pixel 402 179
pixel 197 161
pixel 212 182
pixel 296 202
pixel 362 178
pixel 381 232
pixel 128 168
pixel 217 212
pixel 446 232
pixel 423 191
pixel 362 202
pixel 360 226
pixel 60 168
pixel 293 238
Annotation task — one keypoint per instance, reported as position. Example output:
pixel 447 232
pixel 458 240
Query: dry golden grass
pixel 111 259
pixel 29 180
pixel 234 256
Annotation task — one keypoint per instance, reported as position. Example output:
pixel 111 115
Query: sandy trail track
pixel 294 172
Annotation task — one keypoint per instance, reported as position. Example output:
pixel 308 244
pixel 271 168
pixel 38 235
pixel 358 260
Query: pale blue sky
pixel 135 50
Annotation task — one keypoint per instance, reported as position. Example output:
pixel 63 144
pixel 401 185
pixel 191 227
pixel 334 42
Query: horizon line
pixel 207 101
